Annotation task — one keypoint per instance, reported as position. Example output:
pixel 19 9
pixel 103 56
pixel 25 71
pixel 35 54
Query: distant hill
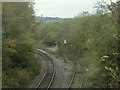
pixel 51 19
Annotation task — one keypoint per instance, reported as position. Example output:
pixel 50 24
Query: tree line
pixel 19 64
pixel 92 40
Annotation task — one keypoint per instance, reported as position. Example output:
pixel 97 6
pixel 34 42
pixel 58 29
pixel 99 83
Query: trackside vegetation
pixel 92 42
pixel 19 64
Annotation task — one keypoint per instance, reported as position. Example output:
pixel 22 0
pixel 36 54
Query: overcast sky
pixel 64 8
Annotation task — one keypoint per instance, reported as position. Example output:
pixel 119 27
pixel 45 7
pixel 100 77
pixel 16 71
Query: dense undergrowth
pixel 92 41
pixel 19 64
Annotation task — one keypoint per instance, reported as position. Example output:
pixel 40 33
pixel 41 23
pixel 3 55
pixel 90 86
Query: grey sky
pixel 63 8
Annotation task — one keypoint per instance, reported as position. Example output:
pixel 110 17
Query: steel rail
pixel 71 82
pixel 81 84
pixel 73 77
pixel 47 73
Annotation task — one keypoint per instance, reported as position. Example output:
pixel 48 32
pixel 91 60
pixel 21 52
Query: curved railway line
pixel 73 78
pixel 49 74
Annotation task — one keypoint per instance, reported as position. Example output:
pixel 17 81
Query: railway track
pixel 73 79
pixel 49 74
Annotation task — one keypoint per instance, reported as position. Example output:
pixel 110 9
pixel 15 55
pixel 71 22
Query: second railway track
pixel 73 79
pixel 49 74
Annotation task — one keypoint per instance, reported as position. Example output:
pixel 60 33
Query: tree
pixel 19 63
